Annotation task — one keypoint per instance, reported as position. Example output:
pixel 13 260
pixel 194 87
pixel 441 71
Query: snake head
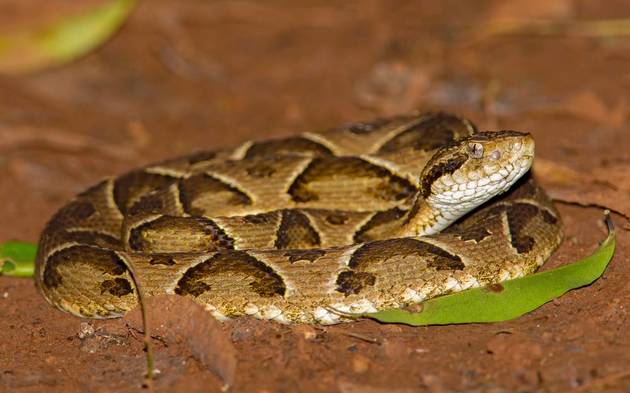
pixel 465 174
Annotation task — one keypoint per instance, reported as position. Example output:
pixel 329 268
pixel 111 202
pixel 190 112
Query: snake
pixel 307 228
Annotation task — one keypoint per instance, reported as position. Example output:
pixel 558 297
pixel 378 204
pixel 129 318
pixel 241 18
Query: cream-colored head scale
pixel 468 173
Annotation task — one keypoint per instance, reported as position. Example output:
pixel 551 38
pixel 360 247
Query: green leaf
pixel 508 300
pixel 62 40
pixel 17 259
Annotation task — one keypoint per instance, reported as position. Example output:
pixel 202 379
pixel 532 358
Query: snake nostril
pixel 495 155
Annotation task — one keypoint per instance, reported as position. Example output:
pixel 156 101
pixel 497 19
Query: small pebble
pixel 85 330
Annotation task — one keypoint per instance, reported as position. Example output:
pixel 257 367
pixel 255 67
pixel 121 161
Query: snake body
pixel 359 218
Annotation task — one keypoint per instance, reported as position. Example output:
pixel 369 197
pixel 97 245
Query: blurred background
pixel 94 88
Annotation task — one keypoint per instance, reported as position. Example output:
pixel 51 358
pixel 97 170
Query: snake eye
pixel 475 150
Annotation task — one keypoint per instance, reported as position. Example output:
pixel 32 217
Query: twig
pixel 343 313
pixel 362 337
pixel 146 337
pixel 595 205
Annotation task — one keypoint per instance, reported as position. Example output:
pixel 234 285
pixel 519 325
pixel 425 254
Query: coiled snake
pixel 360 218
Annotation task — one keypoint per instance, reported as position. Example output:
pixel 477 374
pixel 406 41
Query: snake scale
pixel 358 218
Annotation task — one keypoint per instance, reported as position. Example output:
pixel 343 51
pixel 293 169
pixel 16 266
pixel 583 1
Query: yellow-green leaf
pixel 507 300
pixel 17 259
pixel 62 40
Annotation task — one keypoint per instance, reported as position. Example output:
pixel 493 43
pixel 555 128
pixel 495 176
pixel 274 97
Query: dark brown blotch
pixel 118 287
pixel 350 282
pixel 445 261
pixel 302 194
pixel 149 204
pixel 431 132
pixel 475 233
pixel 296 231
pixel 548 217
pixel 391 187
pixel 261 171
pixel 264 281
pixel 495 211
pixel 381 250
pixel 179 234
pixel 438 170
pixel 304 255
pixel 81 210
pixel 393 190
pixel 203 184
pixel 98 260
pixel 379 219
pixel 336 219
pixel 191 287
pixel 523 243
pixel 130 187
pixel 52 278
pixel 290 145
pixel 74 213
pixel 91 238
pixel 164 260
pixel 518 216
pixel 299 190
pixel 262 218
pixel 201 156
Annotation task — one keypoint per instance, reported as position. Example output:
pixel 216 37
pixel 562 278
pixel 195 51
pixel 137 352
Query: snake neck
pixel 429 216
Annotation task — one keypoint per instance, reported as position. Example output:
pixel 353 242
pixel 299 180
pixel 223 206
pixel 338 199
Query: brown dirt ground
pixel 186 75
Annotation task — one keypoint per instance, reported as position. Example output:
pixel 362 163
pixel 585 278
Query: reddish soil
pixel 186 75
